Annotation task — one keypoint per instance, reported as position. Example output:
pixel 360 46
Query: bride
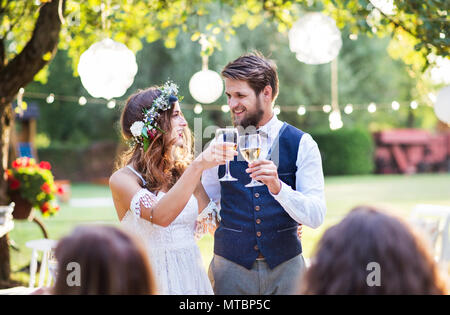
pixel 157 191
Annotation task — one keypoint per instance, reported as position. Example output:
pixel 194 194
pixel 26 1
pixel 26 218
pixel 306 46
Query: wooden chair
pixel 45 247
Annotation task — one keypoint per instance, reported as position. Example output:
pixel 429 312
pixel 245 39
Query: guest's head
pixel 372 252
pixel 169 151
pixel 102 260
pixel 251 86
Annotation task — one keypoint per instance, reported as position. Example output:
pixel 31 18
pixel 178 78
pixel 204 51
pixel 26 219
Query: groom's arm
pixel 306 204
pixel 210 181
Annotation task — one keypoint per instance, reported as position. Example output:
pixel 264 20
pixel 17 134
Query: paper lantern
pixel 315 39
pixel 386 6
pixel 206 86
pixel 442 105
pixel 107 69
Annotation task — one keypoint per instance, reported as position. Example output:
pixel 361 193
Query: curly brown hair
pixel 163 163
pixel 368 235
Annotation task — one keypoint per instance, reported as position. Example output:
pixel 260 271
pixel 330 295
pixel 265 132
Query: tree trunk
pixel 5 128
pixel 16 74
pixel 5 269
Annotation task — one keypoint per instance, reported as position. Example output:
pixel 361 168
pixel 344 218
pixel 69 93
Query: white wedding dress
pixel 173 251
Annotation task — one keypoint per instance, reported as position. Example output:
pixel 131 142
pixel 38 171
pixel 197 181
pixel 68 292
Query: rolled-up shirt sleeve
pixel 210 181
pixel 306 204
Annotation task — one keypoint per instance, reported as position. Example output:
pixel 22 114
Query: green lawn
pixel 398 193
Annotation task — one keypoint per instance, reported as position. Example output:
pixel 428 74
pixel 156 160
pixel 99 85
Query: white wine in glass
pixel 251 154
pixel 250 148
pixel 227 135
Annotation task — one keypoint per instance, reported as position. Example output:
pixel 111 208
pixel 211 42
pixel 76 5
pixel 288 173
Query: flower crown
pixel 144 131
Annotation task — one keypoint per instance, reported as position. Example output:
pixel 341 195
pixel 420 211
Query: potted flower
pixel 31 185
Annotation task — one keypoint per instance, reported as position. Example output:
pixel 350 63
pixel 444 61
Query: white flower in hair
pixel 136 128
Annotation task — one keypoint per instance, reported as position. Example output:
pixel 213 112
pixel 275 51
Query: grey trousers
pixel 229 278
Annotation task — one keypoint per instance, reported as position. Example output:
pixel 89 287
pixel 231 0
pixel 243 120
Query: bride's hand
pixel 217 154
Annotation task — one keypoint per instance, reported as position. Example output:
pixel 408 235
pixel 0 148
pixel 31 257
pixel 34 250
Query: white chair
pixel 45 246
pixel 434 220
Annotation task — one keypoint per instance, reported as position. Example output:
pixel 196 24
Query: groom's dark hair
pixel 256 70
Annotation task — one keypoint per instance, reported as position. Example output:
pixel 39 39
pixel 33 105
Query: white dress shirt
pixel 306 204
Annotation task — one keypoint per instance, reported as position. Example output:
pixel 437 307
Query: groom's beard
pixel 250 118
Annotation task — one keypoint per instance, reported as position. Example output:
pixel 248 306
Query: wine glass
pixel 250 147
pixel 227 135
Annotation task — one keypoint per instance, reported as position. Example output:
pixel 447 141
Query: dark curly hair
pixel 368 235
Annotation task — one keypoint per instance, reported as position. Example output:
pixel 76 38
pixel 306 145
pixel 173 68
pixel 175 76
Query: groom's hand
pixel 266 172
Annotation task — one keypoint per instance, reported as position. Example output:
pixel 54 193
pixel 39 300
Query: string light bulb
pixel 82 101
pixel 348 109
pixel 111 104
pixel 326 108
pixel 198 109
pixel 50 98
pixel 301 110
pixel 395 105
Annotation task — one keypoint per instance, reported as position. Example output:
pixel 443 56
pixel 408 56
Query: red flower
pixel 152 133
pixel 14 184
pixel 45 207
pixel 45 165
pixel 15 164
pixel 46 188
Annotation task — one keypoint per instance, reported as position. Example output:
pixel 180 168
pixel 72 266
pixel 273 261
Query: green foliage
pixel 416 29
pixel 366 74
pixel 346 151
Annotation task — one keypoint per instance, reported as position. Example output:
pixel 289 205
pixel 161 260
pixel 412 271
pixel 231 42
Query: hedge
pixel 346 151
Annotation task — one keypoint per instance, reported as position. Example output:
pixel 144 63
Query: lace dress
pixel 173 251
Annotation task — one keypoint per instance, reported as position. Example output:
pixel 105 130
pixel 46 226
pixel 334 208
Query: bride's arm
pixel 201 196
pixel 166 210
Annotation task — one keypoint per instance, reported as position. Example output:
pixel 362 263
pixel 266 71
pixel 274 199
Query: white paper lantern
pixel 206 86
pixel 107 69
pixel 442 105
pixel 440 72
pixel 386 6
pixel 315 39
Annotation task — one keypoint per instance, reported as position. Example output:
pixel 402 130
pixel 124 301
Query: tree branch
pixel 21 70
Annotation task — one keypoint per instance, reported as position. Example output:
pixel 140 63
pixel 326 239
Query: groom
pixel 256 248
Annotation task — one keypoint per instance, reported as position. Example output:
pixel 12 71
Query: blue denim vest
pixel 252 220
